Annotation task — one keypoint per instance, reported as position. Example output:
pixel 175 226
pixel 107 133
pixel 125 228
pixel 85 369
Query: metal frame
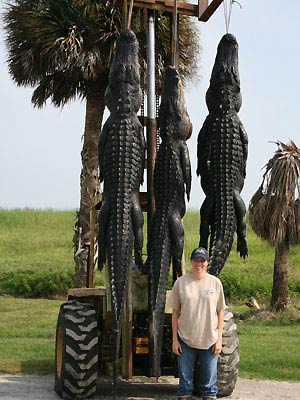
pixel 203 10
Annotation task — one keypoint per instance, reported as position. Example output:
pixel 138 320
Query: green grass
pixel 36 256
pixel 36 239
pixel 269 343
pixel 269 352
pixel 27 335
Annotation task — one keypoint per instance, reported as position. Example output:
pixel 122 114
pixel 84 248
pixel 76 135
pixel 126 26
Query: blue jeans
pixel 208 371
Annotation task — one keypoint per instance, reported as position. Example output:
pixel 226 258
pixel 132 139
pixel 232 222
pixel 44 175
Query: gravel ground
pixel 39 387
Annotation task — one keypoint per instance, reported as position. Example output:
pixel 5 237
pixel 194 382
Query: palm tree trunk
pixel 89 179
pixel 280 294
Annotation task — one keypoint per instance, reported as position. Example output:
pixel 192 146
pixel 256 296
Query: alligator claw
pixel 242 247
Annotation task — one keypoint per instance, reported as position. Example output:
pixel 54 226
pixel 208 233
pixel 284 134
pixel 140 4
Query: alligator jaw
pixel 225 70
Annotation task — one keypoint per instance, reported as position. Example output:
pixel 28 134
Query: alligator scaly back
pixel 172 178
pixel 222 155
pixel 121 161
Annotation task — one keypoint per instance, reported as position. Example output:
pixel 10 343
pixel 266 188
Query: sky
pixel 40 148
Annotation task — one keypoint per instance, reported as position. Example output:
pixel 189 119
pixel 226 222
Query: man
pixel 197 300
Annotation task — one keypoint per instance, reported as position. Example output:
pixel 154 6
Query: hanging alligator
pixel 222 155
pixel 172 179
pixel 121 162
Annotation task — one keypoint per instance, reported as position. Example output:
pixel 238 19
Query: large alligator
pixel 121 163
pixel 172 179
pixel 222 154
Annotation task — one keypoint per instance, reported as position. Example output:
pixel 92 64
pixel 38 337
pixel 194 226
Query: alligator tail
pixel 159 267
pixel 121 156
pixel 224 220
pixel 119 257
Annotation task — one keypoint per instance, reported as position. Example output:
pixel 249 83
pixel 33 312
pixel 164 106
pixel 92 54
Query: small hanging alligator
pixel 172 178
pixel 222 154
pixel 121 162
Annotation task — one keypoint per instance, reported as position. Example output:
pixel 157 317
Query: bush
pixel 34 284
pixel 240 286
pixel 294 287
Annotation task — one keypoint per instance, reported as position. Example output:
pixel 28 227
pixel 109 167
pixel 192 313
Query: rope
pixel 129 14
pixel 227 5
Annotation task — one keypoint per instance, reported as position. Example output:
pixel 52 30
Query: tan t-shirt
pixel 198 302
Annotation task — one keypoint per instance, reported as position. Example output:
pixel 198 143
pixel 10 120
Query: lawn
pixel 269 342
pixel 36 256
pixel 27 335
pixel 36 240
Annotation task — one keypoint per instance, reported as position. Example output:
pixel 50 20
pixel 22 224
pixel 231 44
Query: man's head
pixel 199 259
pixel 200 252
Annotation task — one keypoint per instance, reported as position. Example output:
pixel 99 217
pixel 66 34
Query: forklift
pixel 84 326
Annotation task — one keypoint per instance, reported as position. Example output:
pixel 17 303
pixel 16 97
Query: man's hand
pixel 176 347
pixel 217 347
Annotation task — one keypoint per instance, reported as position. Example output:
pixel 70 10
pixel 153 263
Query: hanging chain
pixel 157 98
pixel 142 75
pixel 158 88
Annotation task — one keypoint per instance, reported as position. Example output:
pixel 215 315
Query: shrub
pixel 294 287
pixel 34 284
pixel 239 285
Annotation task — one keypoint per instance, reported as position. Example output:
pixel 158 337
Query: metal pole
pixel 151 65
pixel 151 146
pixel 174 36
pixel 151 120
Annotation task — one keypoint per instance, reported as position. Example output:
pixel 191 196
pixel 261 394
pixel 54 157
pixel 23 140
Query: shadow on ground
pixel 143 390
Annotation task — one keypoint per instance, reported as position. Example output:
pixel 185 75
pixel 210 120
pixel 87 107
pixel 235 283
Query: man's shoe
pixel 185 397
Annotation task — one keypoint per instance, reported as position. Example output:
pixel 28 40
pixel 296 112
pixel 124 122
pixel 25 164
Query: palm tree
pixel 275 214
pixel 63 49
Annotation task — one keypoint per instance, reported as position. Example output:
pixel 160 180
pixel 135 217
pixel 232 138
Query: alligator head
pixel 172 108
pixel 123 92
pixel 224 90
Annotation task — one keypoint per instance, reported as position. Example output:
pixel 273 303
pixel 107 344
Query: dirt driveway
pixel 39 387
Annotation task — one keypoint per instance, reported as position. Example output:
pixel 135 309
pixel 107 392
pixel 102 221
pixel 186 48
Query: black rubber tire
pixel 76 351
pixel 229 358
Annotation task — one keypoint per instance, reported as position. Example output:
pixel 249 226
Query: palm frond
pixel 49 38
pixel 274 208
pixel 59 88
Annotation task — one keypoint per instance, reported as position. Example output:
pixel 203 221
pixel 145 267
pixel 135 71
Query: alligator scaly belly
pixel 121 163
pixel 222 155
pixel 172 178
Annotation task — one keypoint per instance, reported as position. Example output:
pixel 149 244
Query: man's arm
pixel 217 347
pixel 176 347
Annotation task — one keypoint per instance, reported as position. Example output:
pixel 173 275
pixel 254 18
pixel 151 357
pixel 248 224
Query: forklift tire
pixel 76 351
pixel 229 357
